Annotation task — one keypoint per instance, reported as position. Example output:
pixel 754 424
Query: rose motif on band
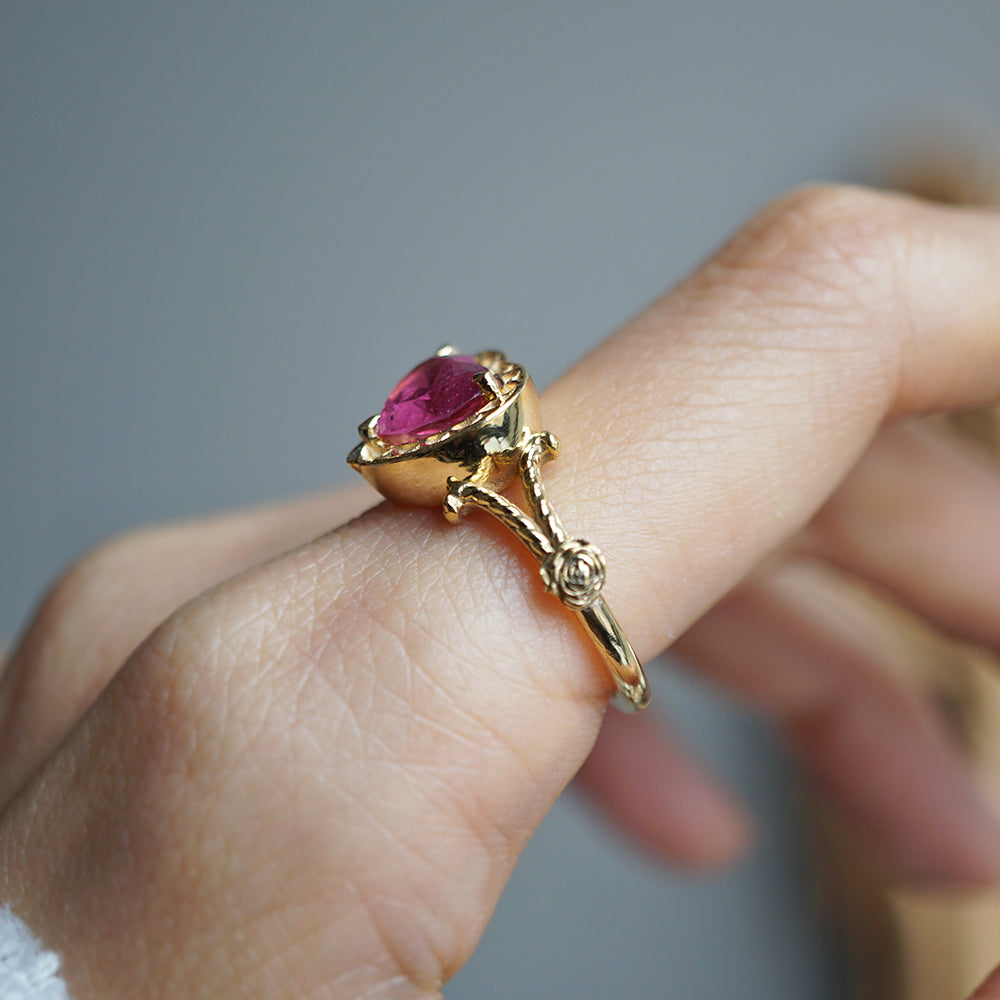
pixel 575 573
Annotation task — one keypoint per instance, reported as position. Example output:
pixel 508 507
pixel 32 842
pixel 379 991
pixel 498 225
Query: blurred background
pixel 229 227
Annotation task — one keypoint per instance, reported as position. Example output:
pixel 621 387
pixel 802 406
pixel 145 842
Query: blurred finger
pixel 794 642
pixel 665 801
pixel 920 518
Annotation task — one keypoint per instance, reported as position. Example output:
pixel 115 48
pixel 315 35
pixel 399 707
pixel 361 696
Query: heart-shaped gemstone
pixel 438 394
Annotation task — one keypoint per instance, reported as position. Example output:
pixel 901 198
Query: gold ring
pixel 457 431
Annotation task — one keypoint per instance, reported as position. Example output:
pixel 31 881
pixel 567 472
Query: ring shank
pixel 632 691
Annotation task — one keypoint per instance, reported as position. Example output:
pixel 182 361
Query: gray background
pixel 227 228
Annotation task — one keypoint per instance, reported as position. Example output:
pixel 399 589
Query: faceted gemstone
pixel 436 395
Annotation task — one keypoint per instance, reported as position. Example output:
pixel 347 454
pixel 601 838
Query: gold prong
pixel 446 350
pixel 492 359
pixel 368 429
pixel 489 383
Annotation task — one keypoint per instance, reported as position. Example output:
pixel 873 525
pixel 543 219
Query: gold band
pixel 468 463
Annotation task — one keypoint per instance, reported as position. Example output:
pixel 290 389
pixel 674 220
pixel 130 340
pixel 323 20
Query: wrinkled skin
pixel 252 756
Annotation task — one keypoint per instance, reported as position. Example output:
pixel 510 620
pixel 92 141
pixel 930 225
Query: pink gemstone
pixel 436 395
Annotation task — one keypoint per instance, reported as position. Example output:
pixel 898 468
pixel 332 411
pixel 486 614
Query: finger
pixel 666 802
pixel 455 696
pixel 920 518
pixel 115 596
pixel 679 813
pixel 798 645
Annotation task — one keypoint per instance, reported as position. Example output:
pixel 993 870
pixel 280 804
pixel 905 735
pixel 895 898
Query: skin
pixel 990 990
pixel 251 756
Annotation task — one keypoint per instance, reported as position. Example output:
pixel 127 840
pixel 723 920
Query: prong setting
pixel 368 429
pixel 490 384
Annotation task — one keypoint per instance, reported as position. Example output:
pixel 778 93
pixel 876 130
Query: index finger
pixel 719 420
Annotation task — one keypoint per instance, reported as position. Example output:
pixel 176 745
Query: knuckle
pixel 153 694
pixel 173 675
pixel 825 222
pixel 219 675
pixel 832 246
pixel 819 275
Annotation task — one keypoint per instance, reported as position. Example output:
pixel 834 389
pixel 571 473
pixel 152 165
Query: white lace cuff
pixel 27 971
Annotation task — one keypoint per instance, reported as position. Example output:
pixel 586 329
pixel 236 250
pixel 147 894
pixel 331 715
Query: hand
pixel 314 777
